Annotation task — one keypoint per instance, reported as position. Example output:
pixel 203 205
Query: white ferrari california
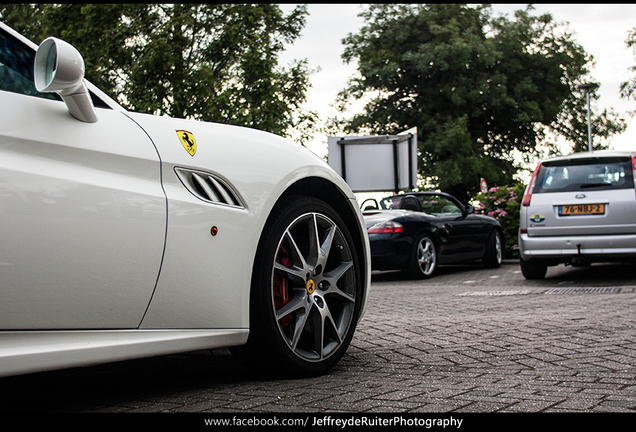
pixel 126 235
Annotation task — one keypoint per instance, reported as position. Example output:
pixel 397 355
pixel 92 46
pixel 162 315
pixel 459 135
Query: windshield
pixel 432 204
pixel 392 202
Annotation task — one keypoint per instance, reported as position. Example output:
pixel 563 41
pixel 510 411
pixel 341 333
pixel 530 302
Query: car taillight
pixel 388 227
pixel 527 196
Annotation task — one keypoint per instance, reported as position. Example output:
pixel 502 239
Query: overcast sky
pixel 600 29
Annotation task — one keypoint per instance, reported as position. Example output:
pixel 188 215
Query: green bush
pixel 503 204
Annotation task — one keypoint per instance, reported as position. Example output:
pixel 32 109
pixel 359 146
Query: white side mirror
pixel 59 68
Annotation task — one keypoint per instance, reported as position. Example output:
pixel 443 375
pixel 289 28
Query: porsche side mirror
pixel 470 209
pixel 59 68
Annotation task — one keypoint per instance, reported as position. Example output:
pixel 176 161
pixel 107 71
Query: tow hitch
pixel 579 260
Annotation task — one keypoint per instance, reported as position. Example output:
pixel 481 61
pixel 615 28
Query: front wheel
pixel 306 290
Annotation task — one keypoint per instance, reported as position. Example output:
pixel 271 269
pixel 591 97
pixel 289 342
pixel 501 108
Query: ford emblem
pixel 580 196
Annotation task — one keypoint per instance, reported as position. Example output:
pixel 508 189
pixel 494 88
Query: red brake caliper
pixel 281 286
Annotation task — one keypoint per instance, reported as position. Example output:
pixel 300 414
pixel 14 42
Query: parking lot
pixel 469 340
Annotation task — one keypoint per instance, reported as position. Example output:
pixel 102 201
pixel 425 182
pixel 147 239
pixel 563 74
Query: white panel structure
pixel 376 163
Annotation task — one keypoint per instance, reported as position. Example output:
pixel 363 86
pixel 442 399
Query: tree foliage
pixel 479 89
pixel 211 62
pixel 628 88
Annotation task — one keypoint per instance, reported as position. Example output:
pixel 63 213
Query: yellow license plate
pixel 581 209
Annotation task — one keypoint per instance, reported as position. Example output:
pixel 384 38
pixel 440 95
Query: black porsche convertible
pixel 416 232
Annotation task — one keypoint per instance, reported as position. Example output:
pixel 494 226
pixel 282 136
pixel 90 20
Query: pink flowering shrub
pixel 502 203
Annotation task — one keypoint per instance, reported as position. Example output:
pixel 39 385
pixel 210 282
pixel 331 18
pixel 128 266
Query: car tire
pixel 306 291
pixel 422 261
pixel 494 250
pixel 533 269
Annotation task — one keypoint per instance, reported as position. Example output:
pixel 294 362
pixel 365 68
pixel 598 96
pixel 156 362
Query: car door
pixel 82 210
pixel 462 235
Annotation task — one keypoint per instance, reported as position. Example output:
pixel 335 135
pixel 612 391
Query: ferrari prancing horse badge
pixel 187 139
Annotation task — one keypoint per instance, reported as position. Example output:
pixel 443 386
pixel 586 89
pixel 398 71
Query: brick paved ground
pixel 468 340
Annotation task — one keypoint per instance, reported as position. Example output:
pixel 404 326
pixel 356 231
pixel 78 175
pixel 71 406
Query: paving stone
pixel 498 344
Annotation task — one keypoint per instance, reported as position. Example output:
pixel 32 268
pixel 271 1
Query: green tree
pixel 628 88
pixel 211 62
pixel 479 89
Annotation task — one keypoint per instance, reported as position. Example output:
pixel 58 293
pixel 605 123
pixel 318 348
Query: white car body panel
pixel 71 194
pixel 106 255
pixel 199 286
pixel 28 352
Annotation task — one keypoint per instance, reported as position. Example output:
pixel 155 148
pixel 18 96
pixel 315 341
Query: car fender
pixel 210 267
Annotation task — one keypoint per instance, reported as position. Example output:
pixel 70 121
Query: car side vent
pixel 209 187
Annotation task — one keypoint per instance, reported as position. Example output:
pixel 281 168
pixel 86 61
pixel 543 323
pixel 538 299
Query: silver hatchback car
pixel 579 209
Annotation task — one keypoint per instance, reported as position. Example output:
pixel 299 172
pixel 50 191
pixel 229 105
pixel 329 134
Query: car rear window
pixel 585 174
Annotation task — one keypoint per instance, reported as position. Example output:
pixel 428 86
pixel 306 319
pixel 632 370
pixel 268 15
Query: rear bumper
pixel 389 251
pixel 590 248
